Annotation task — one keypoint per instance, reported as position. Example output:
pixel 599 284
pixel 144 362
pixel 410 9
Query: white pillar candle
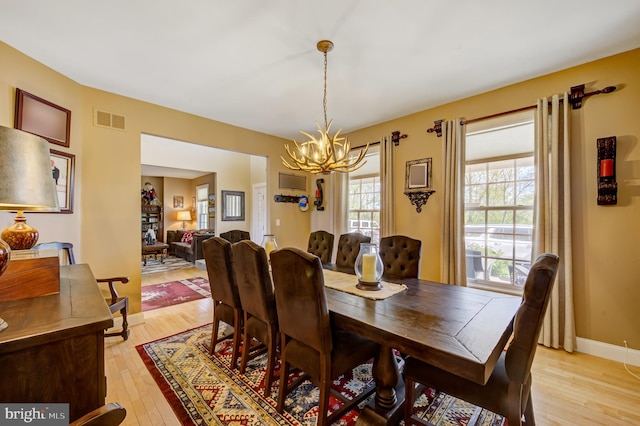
pixel 369 267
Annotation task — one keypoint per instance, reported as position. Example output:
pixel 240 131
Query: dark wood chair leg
pixel 125 324
pixel 271 360
pixel 237 336
pixel 284 376
pixel 214 335
pixel 246 346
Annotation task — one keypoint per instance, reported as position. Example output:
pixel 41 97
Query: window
pixel 202 206
pixel 499 193
pixel 364 198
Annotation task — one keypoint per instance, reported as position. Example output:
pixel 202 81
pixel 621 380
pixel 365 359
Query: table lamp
pixel 26 184
pixel 184 216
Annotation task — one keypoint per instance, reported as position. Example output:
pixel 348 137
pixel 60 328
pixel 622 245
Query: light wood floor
pixel 568 389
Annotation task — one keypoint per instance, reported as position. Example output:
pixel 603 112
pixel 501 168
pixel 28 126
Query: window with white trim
pixel 364 198
pixel 202 205
pixel 499 195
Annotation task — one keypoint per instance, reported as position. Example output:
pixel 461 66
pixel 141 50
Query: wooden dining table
pixel 457 329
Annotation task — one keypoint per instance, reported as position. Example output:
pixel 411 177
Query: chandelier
pixel 326 153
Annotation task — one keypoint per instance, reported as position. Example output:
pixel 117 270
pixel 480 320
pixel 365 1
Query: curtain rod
pixel 575 99
pixel 395 138
pixel 499 114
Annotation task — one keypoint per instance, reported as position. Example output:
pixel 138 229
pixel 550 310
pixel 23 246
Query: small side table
pixel 155 249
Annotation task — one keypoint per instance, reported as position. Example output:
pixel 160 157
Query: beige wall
pixel 176 187
pixel 606 239
pixel 105 223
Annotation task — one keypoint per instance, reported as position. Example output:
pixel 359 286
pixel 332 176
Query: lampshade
pixel 184 215
pixel 26 183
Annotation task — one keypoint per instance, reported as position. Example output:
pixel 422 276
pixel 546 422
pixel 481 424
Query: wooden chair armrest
pixel 112 289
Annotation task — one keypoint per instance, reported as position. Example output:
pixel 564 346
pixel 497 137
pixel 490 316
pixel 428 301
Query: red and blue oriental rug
pixel 171 293
pixel 203 390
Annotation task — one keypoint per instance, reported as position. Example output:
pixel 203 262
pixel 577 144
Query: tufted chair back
pixel 400 256
pixel 321 244
pixel 235 235
pixel 349 247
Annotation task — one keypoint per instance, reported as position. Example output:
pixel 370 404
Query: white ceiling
pixel 255 64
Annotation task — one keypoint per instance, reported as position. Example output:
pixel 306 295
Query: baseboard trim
pixel 608 351
pixel 132 319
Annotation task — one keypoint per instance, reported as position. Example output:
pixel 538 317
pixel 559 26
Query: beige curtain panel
pixel 552 215
pixel 387 184
pixel 453 264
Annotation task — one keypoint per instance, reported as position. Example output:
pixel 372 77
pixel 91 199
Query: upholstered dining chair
pixel 111 414
pixel 235 235
pixel 349 247
pixel 308 340
pixel 400 256
pixel 321 244
pixel 116 302
pixel 508 389
pixel 218 256
pixel 258 304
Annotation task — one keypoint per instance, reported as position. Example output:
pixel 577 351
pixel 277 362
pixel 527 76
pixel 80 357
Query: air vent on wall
pixel 107 119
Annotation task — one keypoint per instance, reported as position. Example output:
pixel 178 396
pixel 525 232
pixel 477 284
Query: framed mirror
pixel 232 205
pixel 418 176
pixel 417 182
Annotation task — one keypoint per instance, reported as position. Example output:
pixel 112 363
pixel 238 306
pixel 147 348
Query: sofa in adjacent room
pixel 187 244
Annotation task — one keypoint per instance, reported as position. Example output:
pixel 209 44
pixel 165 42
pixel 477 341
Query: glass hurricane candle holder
pixel 369 267
pixel 269 244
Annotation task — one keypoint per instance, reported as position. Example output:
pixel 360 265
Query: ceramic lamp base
pixel 367 286
pixel 20 235
pixel 5 255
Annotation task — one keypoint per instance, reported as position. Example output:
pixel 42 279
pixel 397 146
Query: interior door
pixel 259 213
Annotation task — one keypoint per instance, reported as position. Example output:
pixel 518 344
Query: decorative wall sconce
pixel 437 128
pixel 607 185
pixel 319 195
pixel 417 183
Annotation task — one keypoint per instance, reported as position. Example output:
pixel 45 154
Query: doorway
pixel 259 213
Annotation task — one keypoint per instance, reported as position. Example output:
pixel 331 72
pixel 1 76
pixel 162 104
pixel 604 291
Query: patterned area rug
pixel 171 263
pixel 174 292
pixel 202 389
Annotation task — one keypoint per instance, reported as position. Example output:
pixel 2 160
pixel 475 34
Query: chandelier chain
pixel 326 153
pixel 324 101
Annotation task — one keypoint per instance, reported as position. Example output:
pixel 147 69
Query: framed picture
pixel 418 175
pixel 178 202
pixel 62 171
pixel 232 205
pixel 43 118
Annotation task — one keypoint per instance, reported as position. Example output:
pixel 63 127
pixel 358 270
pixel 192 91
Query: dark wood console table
pixel 155 249
pixel 53 349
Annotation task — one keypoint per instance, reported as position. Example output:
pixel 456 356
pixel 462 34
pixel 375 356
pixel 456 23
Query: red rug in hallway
pixel 174 292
